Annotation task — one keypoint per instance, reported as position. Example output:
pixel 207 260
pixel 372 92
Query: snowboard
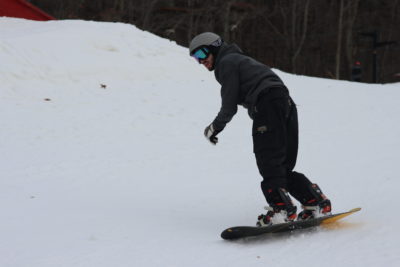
pixel 249 231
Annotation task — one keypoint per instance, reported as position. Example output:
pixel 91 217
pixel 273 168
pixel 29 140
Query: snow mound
pixel 103 162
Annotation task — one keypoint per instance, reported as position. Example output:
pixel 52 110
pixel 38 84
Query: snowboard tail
pixel 248 231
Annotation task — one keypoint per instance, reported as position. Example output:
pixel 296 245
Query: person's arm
pixel 230 85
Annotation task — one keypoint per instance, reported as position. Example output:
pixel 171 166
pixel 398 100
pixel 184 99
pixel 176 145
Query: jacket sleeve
pixel 229 79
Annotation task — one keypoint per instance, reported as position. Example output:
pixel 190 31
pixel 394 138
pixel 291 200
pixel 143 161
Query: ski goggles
pixel 201 53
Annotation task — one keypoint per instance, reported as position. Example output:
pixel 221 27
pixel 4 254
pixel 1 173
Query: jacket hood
pixel 227 49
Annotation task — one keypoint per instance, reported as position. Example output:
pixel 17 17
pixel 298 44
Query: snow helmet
pixel 206 39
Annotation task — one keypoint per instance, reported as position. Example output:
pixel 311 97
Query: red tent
pixel 22 9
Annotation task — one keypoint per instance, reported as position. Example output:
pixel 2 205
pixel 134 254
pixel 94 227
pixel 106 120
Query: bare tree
pixel 299 45
pixel 353 6
pixel 339 39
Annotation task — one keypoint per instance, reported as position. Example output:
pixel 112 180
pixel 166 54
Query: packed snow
pixel 103 160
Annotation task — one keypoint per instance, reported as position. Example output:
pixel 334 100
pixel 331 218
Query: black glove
pixel 211 134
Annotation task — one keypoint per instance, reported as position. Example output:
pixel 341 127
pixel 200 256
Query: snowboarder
pixel 247 82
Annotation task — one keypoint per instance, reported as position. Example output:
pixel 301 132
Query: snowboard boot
pixel 281 209
pixel 316 207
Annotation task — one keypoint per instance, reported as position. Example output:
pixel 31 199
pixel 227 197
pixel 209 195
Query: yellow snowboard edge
pixel 340 216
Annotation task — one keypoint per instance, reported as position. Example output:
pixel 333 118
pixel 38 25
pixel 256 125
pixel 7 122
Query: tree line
pixel 322 38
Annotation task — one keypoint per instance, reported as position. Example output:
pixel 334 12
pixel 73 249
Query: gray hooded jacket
pixel 242 80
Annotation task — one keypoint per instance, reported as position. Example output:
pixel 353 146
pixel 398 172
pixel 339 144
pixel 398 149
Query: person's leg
pixel 298 185
pixel 270 146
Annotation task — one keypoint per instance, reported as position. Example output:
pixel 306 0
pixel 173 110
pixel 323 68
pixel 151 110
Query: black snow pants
pixel 275 140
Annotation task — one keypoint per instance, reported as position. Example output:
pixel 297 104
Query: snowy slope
pixel 120 174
